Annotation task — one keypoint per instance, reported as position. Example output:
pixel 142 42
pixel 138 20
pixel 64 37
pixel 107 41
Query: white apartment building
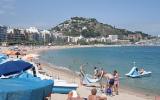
pixel 45 34
pixel 33 34
pixel 113 38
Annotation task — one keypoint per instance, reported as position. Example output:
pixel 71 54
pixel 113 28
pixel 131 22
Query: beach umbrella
pixel 3 56
pixel 13 67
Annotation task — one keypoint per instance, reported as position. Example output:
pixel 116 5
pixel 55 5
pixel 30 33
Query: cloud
pixel 7 7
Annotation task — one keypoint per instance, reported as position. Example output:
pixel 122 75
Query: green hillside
pixel 90 27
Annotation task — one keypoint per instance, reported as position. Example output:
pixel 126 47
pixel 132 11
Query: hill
pixel 90 27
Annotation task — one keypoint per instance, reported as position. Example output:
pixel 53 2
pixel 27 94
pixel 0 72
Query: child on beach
pixel 116 81
pixel 108 91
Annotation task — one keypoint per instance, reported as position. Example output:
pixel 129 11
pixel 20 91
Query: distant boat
pixel 134 73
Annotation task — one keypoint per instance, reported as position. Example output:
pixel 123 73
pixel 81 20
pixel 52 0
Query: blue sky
pixel 141 15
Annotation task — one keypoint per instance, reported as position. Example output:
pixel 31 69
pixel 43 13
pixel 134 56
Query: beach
pixel 70 76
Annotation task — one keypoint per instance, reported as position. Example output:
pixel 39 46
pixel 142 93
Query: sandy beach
pixel 56 72
pixel 83 91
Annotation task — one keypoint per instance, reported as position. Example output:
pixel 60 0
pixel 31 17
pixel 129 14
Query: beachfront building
pixel 33 34
pixel 90 39
pixel 74 39
pixel 3 32
pixel 154 41
pixel 15 35
pixel 58 38
pixel 103 39
pixel 112 38
pixel 135 37
pixel 46 36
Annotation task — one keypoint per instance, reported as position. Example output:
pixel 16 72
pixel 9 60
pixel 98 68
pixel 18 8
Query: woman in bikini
pixel 116 81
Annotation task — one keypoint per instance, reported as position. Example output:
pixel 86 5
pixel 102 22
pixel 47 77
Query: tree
pixel 90 33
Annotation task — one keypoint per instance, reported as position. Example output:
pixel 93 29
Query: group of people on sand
pixel 110 82
pixel 73 95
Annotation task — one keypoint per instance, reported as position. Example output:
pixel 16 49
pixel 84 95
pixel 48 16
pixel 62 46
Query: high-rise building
pixel 15 35
pixel 46 36
pixel 3 32
pixel 33 34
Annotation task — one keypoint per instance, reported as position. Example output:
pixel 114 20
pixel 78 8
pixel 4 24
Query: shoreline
pixel 57 71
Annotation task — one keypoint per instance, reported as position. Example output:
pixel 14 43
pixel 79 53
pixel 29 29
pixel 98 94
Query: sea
pixel 113 58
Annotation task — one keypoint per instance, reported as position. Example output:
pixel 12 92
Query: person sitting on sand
pixel 93 96
pixel 73 95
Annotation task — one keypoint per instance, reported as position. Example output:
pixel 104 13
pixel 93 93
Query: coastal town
pixel 62 34
pixel 79 50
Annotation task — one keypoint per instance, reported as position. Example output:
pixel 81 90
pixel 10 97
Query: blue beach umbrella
pixel 13 67
pixel 3 56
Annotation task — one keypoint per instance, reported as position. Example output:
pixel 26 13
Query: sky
pixel 133 15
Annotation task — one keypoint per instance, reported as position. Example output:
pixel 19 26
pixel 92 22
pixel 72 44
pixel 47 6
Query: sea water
pixel 113 58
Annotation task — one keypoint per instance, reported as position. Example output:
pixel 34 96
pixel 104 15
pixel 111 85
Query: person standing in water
pixel 82 72
pixel 95 72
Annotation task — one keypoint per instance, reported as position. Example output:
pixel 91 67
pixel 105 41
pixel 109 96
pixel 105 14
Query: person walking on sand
pixel 116 81
pixel 93 95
